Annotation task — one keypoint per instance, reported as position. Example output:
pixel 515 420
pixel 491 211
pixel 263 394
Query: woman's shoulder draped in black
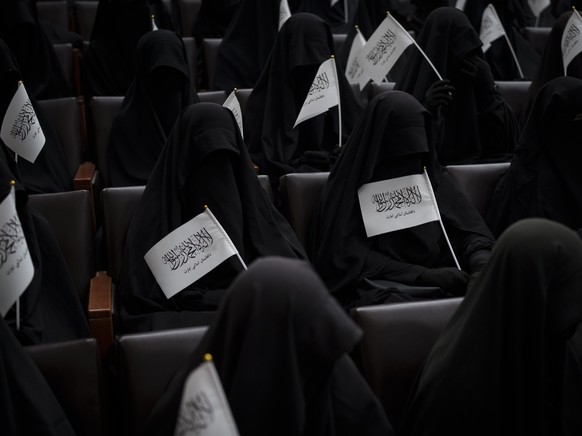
pixel 110 60
pixel 160 91
pixel 49 172
pixel 478 125
pixel 510 359
pixel 302 45
pixel 50 308
pixel 204 162
pixel 22 32
pixel 392 139
pixel 544 178
pixel 303 383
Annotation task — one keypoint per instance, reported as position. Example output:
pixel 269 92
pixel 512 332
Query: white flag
pixel 354 72
pixel 397 204
pixel 21 131
pixel 323 93
pixel 491 27
pixel 284 13
pixel 16 269
pixel 154 26
pixel 383 49
pixel 571 39
pixel 204 409
pixel 189 252
pixel 233 104
pixel 537 6
pixel 461 4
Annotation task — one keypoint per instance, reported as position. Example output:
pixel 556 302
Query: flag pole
pixel 417 46
pixel 213 218
pixel 13 194
pixel 440 219
pixel 339 103
pixel 509 44
pixel 346 12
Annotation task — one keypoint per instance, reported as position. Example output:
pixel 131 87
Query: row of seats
pixel 71 217
pixel 396 340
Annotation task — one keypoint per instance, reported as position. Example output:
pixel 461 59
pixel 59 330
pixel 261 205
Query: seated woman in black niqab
pixel 472 120
pixel 510 359
pixel 393 139
pixel 280 344
pixel 50 307
pixel 49 172
pixel 544 178
pixel 303 44
pixel 204 162
pixel 552 65
pixel 159 92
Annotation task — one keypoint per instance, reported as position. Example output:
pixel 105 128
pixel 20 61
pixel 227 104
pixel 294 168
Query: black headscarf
pixel 513 18
pixel 27 404
pixel 510 359
pixel 204 162
pixel 49 172
pixel 41 70
pixel 551 65
pixel 110 61
pixel 302 45
pixel 159 93
pixel 280 345
pixel 544 179
pixel 392 139
pixel 50 308
pixel 247 43
pixel 213 18
pixel 475 127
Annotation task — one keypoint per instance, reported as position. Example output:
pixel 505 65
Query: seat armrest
pixel 100 311
pixel 86 179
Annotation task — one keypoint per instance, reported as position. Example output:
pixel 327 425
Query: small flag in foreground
pixel 383 49
pixel 354 72
pixel 461 4
pixel 233 105
pixel 204 409
pixel 397 204
pixel 189 252
pixel 16 268
pixel 571 39
pixel 21 130
pixel 491 27
pixel 323 93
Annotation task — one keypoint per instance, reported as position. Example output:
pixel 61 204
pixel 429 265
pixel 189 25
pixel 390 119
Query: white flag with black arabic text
pixel 354 71
pixel 571 39
pixel 491 27
pixel 233 105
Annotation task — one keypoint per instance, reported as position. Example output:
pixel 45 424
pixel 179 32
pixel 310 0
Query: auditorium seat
pixel 397 338
pixel 210 50
pixel 85 12
pixel 103 110
pixel 55 12
pixel 147 362
pixel 537 37
pixel 70 216
pixel 478 181
pixel 72 369
pixel 515 94
pixel 67 117
pixel 300 195
pixel 217 97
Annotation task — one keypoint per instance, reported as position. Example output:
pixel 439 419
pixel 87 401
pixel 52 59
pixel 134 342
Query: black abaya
pixel 159 92
pixel 510 359
pixel 392 139
pixel 204 162
pixel 544 178
pixel 280 345
pixel 302 45
pixel 477 125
